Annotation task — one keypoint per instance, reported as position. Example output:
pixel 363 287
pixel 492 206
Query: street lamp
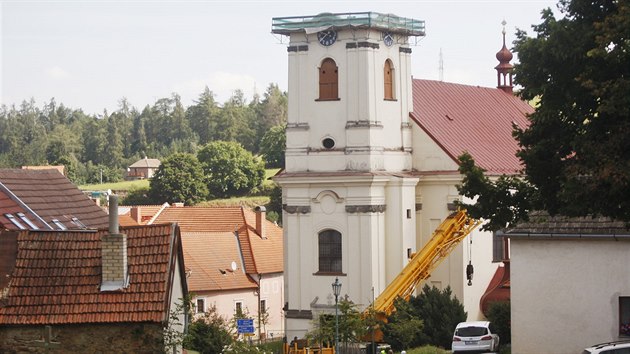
pixel 336 290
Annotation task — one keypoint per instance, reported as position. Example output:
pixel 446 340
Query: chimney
pixel 260 221
pixel 114 253
pixel 136 214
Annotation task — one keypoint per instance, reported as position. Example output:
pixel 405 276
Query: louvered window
pixel 388 77
pixel 328 80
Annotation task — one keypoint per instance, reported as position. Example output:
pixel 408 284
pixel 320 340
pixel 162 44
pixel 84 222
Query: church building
pixel 371 161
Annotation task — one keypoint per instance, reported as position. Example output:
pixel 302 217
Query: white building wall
pixel 272 291
pixel 565 293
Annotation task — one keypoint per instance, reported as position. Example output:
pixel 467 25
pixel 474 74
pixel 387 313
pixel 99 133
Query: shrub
pixel 440 312
pixel 499 315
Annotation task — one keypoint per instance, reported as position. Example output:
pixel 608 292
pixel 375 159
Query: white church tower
pixel 348 198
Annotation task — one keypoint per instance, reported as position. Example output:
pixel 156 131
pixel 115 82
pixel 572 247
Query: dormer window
pixel 15 221
pixel 328 80
pixel 78 223
pixel 27 221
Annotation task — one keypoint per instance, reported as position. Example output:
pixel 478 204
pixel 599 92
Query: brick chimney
pixel 261 213
pixel 136 214
pixel 114 265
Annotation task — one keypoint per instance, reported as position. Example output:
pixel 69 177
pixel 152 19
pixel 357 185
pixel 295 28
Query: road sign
pixel 245 325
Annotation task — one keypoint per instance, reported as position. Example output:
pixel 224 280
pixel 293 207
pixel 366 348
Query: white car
pixel 620 347
pixel 475 336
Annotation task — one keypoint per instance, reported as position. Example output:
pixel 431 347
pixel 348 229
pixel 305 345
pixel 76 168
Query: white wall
pixel 565 293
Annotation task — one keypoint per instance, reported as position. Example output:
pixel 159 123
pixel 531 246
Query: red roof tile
pixel 52 196
pixel 475 119
pixel 57 278
pixel 260 255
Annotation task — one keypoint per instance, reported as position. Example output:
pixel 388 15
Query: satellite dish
pixel 234 267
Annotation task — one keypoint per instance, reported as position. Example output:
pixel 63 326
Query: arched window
pixel 329 242
pixel 388 76
pixel 328 80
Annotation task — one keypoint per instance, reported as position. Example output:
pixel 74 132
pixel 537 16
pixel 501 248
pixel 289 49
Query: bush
pixel 499 315
pixel 208 334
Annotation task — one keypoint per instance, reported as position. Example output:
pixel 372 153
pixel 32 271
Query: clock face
pixel 388 39
pixel 327 37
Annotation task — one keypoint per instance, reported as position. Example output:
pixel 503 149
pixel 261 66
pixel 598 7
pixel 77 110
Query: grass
pixel 117 186
pixel 427 349
pixel 249 202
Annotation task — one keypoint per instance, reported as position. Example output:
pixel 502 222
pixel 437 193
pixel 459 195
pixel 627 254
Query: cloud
pixel 222 84
pixel 58 73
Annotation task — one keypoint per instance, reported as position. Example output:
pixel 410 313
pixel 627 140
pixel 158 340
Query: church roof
pixel 475 119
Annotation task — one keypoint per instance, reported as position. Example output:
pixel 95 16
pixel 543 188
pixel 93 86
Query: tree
pixel 404 326
pixel 273 145
pixel 208 334
pixel 178 179
pixel 351 325
pixel 440 313
pixel 499 315
pixel 202 116
pixel 576 146
pixel 230 170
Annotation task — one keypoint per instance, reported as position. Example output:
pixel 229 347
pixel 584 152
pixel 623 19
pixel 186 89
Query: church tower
pixel 348 199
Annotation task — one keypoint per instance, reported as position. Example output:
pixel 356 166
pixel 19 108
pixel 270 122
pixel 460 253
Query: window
pixel 15 221
pixel 263 306
pixel 61 226
pixel 238 305
pixel 328 80
pixel 27 221
pixel 624 315
pixel 499 248
pixel 201 305
pixel 388 73
pixel 329 251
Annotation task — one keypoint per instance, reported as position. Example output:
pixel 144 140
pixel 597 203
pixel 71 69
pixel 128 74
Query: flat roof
pixel 310 24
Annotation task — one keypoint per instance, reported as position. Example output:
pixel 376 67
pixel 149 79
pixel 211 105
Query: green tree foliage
pixel 178 179
pixel 576 147
pixel 208 334
pixel 274 207
pixel 272 146
pixel 203 116
pixel 499 315
pixel 230 170
pixel 137 196
pixel 440 313
pixel 404 326
pixel 351 326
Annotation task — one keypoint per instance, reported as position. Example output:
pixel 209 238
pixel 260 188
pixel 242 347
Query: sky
pixel 90 54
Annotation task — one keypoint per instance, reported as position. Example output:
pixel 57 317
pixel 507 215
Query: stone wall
pixel 85 338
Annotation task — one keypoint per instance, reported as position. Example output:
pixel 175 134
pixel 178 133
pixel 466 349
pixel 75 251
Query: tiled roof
pixel 261 255
pixel 52 196
pixel 57 278
pixel 150 163
pixel 475 119
pixel 208 257
pixel 147 211
pixel 542 225
pixel 9 206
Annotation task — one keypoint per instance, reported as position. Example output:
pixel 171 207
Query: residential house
pixel 570 284
pixel 45 200
pixel 89 291
pixel 143 169
pixel 371 161
pixel 141 214
pixel 234 260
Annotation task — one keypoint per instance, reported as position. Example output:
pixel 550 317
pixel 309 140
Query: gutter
pixel 560 235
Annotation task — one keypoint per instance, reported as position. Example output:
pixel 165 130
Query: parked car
pixel 475 336
pixel 619 347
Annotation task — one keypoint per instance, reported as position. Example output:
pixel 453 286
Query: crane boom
pixel 448 235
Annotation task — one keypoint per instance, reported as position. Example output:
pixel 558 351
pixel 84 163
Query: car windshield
pixel 471 331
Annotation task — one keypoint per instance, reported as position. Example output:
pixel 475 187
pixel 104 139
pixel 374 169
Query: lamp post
pixel 336 290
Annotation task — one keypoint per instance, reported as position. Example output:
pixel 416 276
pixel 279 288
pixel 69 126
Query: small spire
pixel 504 69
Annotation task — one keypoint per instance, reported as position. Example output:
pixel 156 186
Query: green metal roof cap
pixel 310 24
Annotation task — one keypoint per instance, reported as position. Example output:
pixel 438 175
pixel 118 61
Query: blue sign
pixel 245 325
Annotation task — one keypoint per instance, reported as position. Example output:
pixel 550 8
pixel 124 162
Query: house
pixel 45 200
pixel 568 276
pixel 234 260
pixel 143 169
pixel 371 161
pixel 89 291
pixel 141 214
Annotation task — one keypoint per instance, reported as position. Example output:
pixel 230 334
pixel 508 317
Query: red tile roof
pixel 52 196
pixel 476 119
pixel 261 255
pixel 208 257
pixel 57 278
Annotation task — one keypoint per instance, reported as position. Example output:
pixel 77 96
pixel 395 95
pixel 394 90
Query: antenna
pixel 441 66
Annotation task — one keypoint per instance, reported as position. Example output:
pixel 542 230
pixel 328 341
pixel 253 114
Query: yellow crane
pixel 445 238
